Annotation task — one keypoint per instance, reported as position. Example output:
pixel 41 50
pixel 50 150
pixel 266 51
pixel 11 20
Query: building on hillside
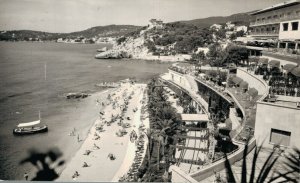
pixel 229 26
pixel 216 26
pixel 241 28
pixel 278 25
pixel 155 23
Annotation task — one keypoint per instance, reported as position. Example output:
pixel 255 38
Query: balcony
pixel 274 20
pixel 265 34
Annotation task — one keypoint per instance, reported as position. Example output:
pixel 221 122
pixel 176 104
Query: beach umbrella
pixel 237 80
pixel 252 92
pixel 244 85
pixel 296 71
pixel 263 60
pixel 274 63
pixel 289 67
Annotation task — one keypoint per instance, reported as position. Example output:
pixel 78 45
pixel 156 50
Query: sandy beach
pixel 101 143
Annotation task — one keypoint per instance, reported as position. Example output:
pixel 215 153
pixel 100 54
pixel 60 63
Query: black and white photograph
pixel 192 91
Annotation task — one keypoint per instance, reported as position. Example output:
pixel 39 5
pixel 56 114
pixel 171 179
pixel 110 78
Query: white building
pixel 241 28
pixel 216 26
pixel 229 26
pixel 155 23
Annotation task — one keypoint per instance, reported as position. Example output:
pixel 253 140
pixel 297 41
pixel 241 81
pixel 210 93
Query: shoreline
pixel 83 138
pixel 108 143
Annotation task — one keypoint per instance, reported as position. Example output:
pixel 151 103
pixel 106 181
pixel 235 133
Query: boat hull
pixel 30 131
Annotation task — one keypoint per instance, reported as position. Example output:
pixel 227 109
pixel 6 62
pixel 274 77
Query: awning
pixel 253 92
pixel 237 80
pixel 263 60
pixel 244 85
pixel 289 67
pixel 22 125
pixel 274 63
pixel 194 117
pixel 296 71
pixel 253 59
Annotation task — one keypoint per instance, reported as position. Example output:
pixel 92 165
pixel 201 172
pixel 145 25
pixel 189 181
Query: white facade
pixel 239 28
pixel 286 31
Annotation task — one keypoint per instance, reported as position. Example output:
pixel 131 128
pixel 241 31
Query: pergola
pixel 194 117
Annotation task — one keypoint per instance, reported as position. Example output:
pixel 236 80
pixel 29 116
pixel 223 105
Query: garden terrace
pixel 216 100
pixel 177 69
pixel 247 100
pixel 283 80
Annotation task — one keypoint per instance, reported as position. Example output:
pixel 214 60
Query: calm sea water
pixel 24 91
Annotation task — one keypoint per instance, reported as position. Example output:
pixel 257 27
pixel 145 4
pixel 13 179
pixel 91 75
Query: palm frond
pixel 230 175
pixel 254 160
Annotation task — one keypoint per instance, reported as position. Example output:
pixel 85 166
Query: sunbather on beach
pixel 85 165
pixel 96 147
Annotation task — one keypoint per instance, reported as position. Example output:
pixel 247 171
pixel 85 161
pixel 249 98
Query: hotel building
pixel 278 24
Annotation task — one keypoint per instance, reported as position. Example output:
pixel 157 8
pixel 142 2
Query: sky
pixel 77 15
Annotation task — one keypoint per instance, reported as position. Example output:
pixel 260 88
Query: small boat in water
pixel 102 49
pixel 30 128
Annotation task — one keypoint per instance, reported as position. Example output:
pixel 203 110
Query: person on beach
pixel 26 176
pixel 85 165
pixel 78 139
pixel 96 147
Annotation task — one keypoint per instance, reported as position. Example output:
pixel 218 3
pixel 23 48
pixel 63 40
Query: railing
pixel 265 33
pixel 274 21
pixel 219 92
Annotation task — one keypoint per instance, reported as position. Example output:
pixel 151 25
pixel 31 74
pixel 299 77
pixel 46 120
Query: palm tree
pixel 44 164
pixel 292 175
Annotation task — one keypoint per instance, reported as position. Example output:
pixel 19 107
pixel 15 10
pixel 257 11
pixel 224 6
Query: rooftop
pixel 277 6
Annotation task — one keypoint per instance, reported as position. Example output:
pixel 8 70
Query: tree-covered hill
pixel 99 31
pixel 240 18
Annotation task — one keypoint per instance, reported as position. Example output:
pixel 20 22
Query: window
pixel 281 15
pixel 280 137
pixel 295 26
pixel 263 19
pixel 285 26
pixel 269 17
pixel 275 16
pixel 258 20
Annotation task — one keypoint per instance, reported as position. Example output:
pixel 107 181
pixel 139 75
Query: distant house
pixel 216 26
pixel 155 23
pixel 229 26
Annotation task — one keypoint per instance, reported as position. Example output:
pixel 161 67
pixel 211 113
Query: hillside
pixel 99 31
pixel 240 18
pixel 104 31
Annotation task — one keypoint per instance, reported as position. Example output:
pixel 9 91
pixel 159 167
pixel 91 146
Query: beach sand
pixel 102 168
